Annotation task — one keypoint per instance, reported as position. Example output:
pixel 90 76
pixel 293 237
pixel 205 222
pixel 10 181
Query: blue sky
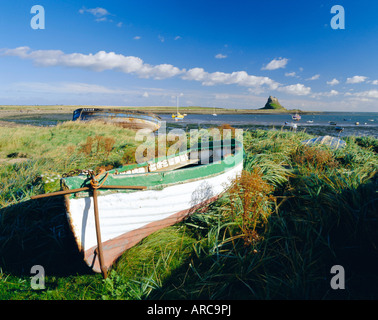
pixel 210 53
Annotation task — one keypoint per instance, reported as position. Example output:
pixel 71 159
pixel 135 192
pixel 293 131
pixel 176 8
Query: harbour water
pixel 351 123
pixel 335 124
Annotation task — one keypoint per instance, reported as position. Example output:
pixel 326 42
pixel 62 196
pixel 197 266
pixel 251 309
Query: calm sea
pixel 352 123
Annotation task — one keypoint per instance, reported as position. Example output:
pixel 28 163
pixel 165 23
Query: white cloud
pixel 137 37
pixel 356 79
pixel 99 61
pixel 178 38
pixel 161 38
pixel 220 56
pixel 367 94
pixel 375 82
pixel 119 24
pixel 331 93
pixel 66 88
pixel 290 74
pixel 295 89
pixel 315 77
pixel 333 82
pixel 276 64
pixel 97 12
pixel 102 61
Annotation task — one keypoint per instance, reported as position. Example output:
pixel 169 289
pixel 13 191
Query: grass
pixel 294 213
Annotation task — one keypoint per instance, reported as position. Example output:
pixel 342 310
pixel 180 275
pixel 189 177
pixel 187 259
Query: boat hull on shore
pixel 126 118
pixel 126 217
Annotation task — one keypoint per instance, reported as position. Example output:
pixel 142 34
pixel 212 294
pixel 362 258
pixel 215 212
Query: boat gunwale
pixel 125 111
pixel 155 180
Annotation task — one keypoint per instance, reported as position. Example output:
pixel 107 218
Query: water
pixel 368 122
pixel 319 123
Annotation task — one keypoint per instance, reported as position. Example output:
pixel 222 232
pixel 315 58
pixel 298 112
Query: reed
pixel 294 213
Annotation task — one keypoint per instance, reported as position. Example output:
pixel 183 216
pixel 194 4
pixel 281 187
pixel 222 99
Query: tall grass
pixel 325 214
pixel 294 213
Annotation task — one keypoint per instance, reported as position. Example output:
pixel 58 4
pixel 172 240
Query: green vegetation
pixel 294 213
pixel 273 104
pixel 7 112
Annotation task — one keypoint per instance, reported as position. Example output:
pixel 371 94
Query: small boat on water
pixel 131 119
pixel 131 202
pixel 178 115
pixel 332 123
pixel 296 117
pixel 310 121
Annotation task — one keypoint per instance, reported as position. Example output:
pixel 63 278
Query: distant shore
pixel 13 110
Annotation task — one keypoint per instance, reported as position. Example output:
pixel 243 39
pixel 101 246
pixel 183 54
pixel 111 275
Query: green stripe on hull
pixel 157 180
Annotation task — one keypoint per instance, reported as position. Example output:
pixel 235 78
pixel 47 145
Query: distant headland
pixel 272 106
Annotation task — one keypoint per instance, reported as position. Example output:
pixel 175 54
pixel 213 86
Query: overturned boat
pixel 131 119
pixel 113 211
pixel 332 142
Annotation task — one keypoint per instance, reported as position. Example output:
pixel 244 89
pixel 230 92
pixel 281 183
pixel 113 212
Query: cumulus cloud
pixel 356 79
pixel 99 61
pixel 66 87
pixel 331 93
pixel 315 77
pixel 333 82
pixel 375 82
pixel 220 56
pixel 295 89
pixel 290 74
pixel 366 94
pixel 276 64
pixel 240 78
pixel 102 61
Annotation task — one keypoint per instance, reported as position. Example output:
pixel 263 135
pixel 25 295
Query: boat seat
pixel 177 165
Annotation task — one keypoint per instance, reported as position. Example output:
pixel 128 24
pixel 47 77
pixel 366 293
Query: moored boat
pixel 131 119
pixel 296 117
pixel 136 200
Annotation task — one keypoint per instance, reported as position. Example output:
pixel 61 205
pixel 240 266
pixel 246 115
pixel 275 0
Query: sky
pixel 232 54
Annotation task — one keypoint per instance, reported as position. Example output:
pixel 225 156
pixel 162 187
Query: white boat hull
pixel 126 218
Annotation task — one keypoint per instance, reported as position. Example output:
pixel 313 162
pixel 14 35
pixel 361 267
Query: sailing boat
pixel 214 114
pixel 178 115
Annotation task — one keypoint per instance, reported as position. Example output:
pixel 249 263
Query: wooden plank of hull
pixel 114 248
pixel 126 218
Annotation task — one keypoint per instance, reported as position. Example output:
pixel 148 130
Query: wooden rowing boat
pixel 134 201
pixel 131 119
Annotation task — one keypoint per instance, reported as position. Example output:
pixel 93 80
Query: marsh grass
pixel 276 234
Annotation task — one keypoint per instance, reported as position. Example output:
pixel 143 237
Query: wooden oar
pixel 93 187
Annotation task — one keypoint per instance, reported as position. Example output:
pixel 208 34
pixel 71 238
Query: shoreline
pixel 12 110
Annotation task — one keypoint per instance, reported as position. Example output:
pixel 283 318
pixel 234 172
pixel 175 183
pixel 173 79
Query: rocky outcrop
pixel 273 103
